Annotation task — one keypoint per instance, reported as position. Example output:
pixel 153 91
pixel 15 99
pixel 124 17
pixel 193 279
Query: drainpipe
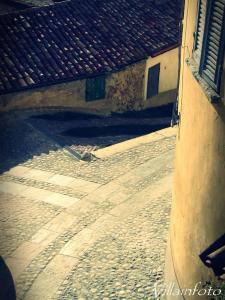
pixel 175 115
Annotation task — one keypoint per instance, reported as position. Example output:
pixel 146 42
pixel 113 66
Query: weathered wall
pixel 168 76
pixel 124 90
pixel 198 207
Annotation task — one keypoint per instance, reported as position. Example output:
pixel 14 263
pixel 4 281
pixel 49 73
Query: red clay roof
pixel 82 38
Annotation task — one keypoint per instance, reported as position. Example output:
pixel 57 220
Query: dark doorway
pixel 153 81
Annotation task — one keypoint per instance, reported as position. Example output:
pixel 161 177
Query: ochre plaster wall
pixel 198 209
pixel 168 75
pixel 124 90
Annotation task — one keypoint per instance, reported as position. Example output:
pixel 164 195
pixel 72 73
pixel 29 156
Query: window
pixel 153 81
pixel 95 88
pixel 209 41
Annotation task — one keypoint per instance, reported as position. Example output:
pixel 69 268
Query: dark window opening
pixel 95 88
pixel 153 81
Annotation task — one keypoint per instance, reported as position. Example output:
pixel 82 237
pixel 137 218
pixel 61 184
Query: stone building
pixel 104 56
pixel 196 252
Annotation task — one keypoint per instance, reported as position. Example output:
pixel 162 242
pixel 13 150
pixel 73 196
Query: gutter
pixel 175 114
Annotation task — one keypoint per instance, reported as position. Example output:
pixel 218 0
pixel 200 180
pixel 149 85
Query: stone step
pixel 135 142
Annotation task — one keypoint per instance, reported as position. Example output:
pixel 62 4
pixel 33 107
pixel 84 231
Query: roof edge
pixel 82 77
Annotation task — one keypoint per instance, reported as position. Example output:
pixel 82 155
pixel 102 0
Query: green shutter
pixel 95 88
pixel 199 33
pixel 153 81
pixel 212 56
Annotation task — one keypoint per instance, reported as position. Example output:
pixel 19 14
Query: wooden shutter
pixel 202 6
pixel 212 56
pixel 153 81
pixel 95 88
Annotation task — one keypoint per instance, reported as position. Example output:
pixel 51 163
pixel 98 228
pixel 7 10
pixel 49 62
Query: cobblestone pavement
pixel 84 230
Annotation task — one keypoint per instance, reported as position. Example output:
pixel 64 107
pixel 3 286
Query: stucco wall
pixel 124 90
pixel 198 207
pixel 168 75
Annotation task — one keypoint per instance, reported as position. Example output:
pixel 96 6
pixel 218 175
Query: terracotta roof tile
pixel 75 39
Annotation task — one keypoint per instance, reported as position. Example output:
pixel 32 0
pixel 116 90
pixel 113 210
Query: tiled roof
pixel 30 2
pixel 81 38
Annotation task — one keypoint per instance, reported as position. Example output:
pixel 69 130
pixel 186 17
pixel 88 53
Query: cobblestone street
pixel 82 230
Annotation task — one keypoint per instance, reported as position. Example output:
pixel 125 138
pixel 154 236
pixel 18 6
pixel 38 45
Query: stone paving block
pixel 80 243
pixel 103 224
pixel 118 197
pixel 47 283
pixel 152 166
pixel 19 171
pixel 83 185
pixel 60 200
pixel 130 177
pixel 36 193
pixel 43 236
pixel 80 207
pixel 27 251
pixel 16 266
pixel 60 180
pixel 104 192
pixel 137 201
pixel 12 188
pixel 38 174
pixel 60 222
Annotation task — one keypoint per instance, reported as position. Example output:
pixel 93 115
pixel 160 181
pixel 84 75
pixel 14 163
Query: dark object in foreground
pixel 7 288
pixel 214 257
pixel 116 130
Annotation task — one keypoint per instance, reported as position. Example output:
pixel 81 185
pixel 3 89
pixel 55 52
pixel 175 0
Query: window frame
pixel 151 94
pixel 95 88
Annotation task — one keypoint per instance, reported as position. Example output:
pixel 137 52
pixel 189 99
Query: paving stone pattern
pixel 20 218
pixel 100 171
pixel 121 265
pixel 102 235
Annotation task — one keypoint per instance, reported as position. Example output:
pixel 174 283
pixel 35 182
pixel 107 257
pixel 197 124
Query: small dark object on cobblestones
pixel 87 156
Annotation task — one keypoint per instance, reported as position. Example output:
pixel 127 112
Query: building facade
pixel 198 207
pixel 132 88
pixel 114 56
